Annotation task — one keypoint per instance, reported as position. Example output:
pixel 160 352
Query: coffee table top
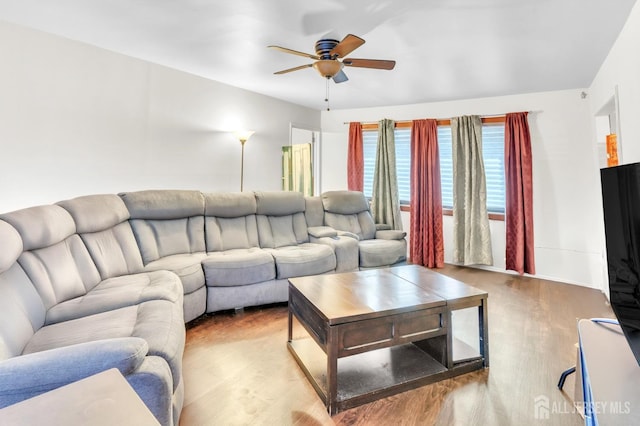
pixel 354 296
pixel 445 287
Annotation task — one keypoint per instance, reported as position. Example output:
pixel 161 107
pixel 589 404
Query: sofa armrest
pixel 322 231
pixel 348 234
pixel 391 234
pixel 345 249
pixel 382 227
pixel 26 376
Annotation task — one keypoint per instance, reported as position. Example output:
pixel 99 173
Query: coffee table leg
pixel 290 324
pixel 483 323
pixel 447 324
pixel 332 373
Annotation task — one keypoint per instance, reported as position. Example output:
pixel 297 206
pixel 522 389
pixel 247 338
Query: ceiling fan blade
pixel 295 52
pixel 379 64
pixel 341 77
pixel 301 67
pixel 346 46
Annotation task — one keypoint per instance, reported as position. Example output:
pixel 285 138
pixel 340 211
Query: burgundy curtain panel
pixel 425 238
pixel 355 158
pixel 519 194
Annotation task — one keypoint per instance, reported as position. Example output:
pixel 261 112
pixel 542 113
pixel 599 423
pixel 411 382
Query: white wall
pixel 621 71
pixel 76 120
pixel 565 173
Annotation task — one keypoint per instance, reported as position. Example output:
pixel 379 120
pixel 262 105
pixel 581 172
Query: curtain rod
pixel 406 121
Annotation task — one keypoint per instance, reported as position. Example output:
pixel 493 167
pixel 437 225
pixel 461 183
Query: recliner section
pixel 109 280
pixel 169 229
pixel 348 212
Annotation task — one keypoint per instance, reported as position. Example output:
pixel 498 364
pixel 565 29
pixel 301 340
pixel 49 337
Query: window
pixel 403 161
pixel 493 156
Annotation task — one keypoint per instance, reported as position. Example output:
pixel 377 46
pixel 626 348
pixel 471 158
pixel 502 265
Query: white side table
pixel 103 399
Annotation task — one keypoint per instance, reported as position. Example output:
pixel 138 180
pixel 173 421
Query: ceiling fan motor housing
pixel 325 46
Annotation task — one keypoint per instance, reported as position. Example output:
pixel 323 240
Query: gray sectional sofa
pixel 105 281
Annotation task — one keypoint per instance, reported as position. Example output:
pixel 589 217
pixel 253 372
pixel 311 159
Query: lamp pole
pixel 242 142
pixel 243 136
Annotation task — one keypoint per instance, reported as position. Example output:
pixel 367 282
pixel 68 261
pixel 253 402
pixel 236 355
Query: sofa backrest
pixel 349 211
pixel 54 257
pixel 281 220
pixel 102 222
pixel 230 221
pixel 22 312
pixel 166 222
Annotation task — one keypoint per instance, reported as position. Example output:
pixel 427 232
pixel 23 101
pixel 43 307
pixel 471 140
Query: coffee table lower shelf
pixel 376 374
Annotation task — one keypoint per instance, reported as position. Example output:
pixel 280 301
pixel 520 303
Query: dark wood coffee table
pixel 375 333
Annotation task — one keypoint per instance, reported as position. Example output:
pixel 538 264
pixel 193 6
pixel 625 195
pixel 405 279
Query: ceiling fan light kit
pixel 327 67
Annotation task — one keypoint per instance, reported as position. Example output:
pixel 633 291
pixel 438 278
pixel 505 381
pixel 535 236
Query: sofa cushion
pixel 41 226
pixel 93 213
pixel 375 252
pixel 303 259
pixel 61 271
pixel 280 231
pixel 22 311
pixel 229 204
pixel 106 232
pixel 114 251
pixel 228 233
pixel 279 203
pixel 118 292
pixel 11 246
pixel 344 202
pixel 163 204
pixel 159 323
pixel 186 266
pixel 168 237
pixel 238 267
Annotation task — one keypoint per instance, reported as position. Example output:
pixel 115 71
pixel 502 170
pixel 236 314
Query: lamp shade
pixel 243 135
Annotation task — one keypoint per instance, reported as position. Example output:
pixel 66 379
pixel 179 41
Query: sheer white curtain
pixel 472 237
pixel 385 203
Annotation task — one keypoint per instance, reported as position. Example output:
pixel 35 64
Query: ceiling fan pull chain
pixel 326 98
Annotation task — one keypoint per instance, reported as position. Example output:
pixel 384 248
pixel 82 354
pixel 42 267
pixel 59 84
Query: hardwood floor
pixel 238 371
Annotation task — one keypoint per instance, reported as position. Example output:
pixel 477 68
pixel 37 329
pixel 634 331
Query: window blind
pixel 493 158
pixel 403 161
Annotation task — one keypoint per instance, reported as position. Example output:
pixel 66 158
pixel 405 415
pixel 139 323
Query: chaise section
pixel 238 272
pixel 36 358
pixel 348 212
pixel 169 229
pixel 282 229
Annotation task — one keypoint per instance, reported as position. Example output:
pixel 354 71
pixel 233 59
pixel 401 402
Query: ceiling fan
pixel 330 58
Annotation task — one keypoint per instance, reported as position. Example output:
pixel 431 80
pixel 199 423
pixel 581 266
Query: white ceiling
pixel 445 49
